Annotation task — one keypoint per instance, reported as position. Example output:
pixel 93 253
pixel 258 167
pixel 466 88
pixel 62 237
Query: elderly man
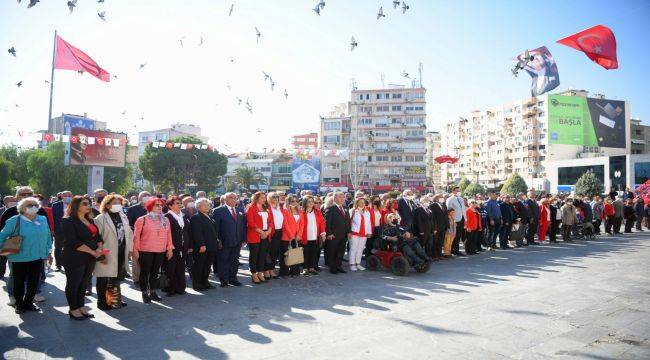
pixel 337 229
pixel 619 207
pixel 133 213
pixel 533 217
pixel 494 218
pixel 440 224
pixel 231 230
pixel 58 212
pixel 456 202
pixel 99 195
pixel 201 194
pixel 406 207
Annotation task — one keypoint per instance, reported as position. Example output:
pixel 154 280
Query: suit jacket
pixel 204 233
pixel 180 236
pixel 439 217
pixel 134 212
pixel 76 234
pixel 58 211
pixel 337 222
pixel 406 209
pixel 507 212
pixel 423 225
pixel 533 209
pixel 522 211
pixel 231 232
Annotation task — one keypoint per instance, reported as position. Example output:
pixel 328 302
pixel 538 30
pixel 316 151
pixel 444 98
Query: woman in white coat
pixel 113 225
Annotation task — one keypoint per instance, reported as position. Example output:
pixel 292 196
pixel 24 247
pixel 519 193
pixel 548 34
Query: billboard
pixel 97 148
pixel 574 120
pixel 305 172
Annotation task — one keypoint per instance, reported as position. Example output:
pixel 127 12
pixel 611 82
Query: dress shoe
pixel 235 283
pixel 334 271
pixel 145 298
pixel 89 316
pixel 341 270
pixel 313 272
pixel 155 296
pixel 79 318
pixel 19 310
pixel 224 284
pixel 31 307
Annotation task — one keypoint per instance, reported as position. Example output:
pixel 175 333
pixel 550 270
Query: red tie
pixel 234 214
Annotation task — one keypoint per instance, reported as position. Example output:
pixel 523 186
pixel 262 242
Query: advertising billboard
pixel 574 120
pixel 305 172
pixel 97 148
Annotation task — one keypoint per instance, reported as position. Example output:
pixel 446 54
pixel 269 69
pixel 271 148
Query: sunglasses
pixel 32 206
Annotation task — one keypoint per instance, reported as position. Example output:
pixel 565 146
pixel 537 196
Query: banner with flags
pixel 542 69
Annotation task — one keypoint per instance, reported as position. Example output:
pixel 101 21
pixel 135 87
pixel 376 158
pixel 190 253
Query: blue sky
pixel 466 48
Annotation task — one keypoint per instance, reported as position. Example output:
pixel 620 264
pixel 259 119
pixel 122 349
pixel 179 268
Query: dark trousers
pixel 284 269
pixel 335 252
pixel 175 271
pixel 201 269
pixel 471 243
pixel 628 225
pixel 639 220
pixel 413 251
pixel 566 232
pixel 618 221
pixel 58 252
pixel 532 230
pixel 150 264
pixel 438 241
pixel 274 251
pixel 370 243
pixel 504 235
pixel 101 285
pixel 311 250
pixel 257 255
pixel 597 223
pixel 77 277
pixel 228 263
pixel 3 266
pixel 460 236
pixel 26 271
pixel 552 232
pixel 426 241
pixel 493 232
pixel 609 223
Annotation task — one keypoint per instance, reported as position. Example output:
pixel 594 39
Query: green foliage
pixel 18 160
pixel 463 183
pixel 472 189
pixel 173 169
pixel 589 185
pixel 245 177
pixel 5 176
pixel 514 185
pixel 118 180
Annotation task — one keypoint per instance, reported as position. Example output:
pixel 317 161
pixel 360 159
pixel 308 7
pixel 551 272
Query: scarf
pixel 179 218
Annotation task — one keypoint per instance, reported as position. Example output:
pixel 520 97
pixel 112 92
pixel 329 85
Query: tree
pixel 173 169
pixel 48 175
pixel 246 177
pixel 589 185
pixel 514 185
pixel 18 160
pixel 118 180
pixel 463 183
pixel 472 189
pixel 5 176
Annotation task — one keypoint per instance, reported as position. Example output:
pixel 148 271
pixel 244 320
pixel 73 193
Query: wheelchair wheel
pixel 400 266
pixel 423 267
pixel 373 263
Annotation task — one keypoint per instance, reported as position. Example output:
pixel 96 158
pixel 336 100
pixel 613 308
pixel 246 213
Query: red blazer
pixel 254 221
pixel 609 210
pixel 543 214
pixel 291 227
pixel 50 218
pixel 320 225
pixel 473 222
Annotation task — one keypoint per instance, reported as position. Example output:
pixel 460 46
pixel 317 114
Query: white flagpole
pixel 50 126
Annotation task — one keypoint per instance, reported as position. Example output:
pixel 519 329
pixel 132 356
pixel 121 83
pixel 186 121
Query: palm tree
pixel 246 177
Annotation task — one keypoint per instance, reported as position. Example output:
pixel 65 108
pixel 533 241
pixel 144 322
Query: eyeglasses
pixel 32 205
pixel 84 203
pixel 26 194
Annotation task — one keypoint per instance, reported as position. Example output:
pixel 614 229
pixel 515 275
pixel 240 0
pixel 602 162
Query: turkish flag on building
pixel 69 57
pixel 598 43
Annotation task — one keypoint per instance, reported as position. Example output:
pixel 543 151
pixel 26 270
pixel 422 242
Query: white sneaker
pixel 353 267
pixel 39 298
pixel 12 301
pixel 361 268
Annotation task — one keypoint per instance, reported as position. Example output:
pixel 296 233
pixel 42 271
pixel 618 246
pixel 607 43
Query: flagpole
pixel 49 117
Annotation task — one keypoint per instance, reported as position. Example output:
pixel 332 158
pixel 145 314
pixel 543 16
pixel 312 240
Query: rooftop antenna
pixel 420 71
pixel 383 77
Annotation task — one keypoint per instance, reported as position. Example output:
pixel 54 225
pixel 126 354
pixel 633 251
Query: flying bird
pixel 201 42
pixel 405 74
pixel 404 7
pixel 102 15
pixel 232 59
pixel 47 81
pixel 142 66
pixel 250 109
pixel 100 1
pixel 181 41
pixel 115 77
pixel 12 51
pixel 317 9
pixel 239 100
pixel 71 5
pixel 380 13
pixel 258 34
pixel 248 104
pixel 266 76
pixel 272 84
pixel 286 94
pixel 32 3
pixel 353 44
pixel 19 84
pixel 395 4
pixel 232 6
pixel 228 85
pixel 124 112
pixel 259 130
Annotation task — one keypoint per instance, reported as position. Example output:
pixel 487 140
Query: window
pixel 397 108
pixel 396 158
pixel 332 125
pixel 397 96
pixel 380 96
pixel 381 158
pixel 570 175
pixel 331 139
pixel 360 96
pixel 365 121
pixel 367 96
pixel 382 108
pixel 331 166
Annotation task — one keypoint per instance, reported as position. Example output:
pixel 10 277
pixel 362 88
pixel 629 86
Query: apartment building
pixel 305 141
pixel 176 130
pixel 433 150
pixel 640 137
pixel 334 145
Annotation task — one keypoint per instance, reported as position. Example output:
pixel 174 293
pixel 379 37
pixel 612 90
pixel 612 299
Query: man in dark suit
pixel 205 243
pixel 406 208
pixel 423 225
pixel 522 212
pixel 58 211
pixel 337 228
pixel 231 230
pixel 138 210
pixel 440 222
pixel 533 217
pixel 507 216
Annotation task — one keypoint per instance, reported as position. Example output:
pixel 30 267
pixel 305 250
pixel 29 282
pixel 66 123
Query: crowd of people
pixel 156 240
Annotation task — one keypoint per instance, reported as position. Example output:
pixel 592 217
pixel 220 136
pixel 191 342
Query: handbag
pixel 13 242
pixel 294 255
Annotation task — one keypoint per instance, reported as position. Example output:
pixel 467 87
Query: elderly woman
pixel 81 243
pixel 36 245
pixel 175 267
pixel 205 244
pixel 152 241
pixel 113 226
pixel 259 225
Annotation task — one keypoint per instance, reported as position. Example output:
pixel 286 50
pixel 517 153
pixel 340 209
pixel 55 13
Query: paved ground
pixel 581 300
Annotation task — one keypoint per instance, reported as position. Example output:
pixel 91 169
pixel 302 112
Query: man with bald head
pixel 231 230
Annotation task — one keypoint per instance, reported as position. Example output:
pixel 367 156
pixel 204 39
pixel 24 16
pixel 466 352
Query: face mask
pixel 31 210
pixel 145 199
pixel 191 205
pixel 116 208
pixel 66 200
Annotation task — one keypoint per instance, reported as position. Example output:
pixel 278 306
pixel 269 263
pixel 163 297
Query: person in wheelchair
pixel 395 238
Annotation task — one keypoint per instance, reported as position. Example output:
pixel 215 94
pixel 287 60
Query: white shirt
pixel 278 217
pixel 356 221
pixel 296 217
pixel 312 227
pixel 179 218
pixel 377 218
pixel 265 219
pixel 458 204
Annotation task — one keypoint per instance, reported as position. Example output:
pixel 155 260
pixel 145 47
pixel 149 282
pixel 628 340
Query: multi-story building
pixel 334 145
pixel 305 141
pixel 281 175
pixel 62 124
pixel 176 130
pixel 387 141
pixel 531 135
pixel 433 147
pixel 640 137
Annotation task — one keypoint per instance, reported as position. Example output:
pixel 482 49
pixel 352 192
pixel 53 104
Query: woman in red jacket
pixel 259 225
pixel 292 225
pixel 609 212
pixel 544 219
pixel 313 234
pixel 472 227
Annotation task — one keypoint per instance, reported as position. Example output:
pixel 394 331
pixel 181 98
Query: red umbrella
pixel 446 159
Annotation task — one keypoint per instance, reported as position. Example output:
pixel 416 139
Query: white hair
pixel 229 194
pixel 202 200
pixel 23 188
pixel 406 192
pixel 22 204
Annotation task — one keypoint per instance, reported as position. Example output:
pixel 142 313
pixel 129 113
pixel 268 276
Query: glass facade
pixel 617 173
pixel 570 175
pixel 641 172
